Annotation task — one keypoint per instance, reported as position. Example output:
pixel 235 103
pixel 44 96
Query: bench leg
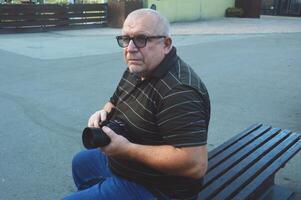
pixel 277 192
pixel 270 191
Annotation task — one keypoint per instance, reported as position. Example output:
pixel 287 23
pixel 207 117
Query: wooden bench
pixel 244 167
pixel 32 18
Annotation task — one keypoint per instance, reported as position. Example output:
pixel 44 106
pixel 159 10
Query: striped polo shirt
pixel 171 107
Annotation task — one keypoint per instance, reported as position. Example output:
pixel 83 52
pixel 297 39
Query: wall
pixel 178 10
pixel 215 8
pixel 189 10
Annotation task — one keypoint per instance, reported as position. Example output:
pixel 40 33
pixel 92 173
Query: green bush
pixel 234 12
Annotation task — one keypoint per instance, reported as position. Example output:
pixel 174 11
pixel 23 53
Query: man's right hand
pixel 98 116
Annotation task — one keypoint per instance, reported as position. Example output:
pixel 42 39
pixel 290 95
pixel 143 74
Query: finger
pixel 103 115
pixel 90 121
pixel 108 131
pixel 96 120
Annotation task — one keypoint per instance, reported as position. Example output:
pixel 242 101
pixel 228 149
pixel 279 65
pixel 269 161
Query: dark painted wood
pixel 15 18
pixel 244 166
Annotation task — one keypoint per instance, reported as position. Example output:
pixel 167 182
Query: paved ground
pixel 51 82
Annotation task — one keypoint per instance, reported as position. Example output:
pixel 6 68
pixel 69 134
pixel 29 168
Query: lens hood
pixel 94 137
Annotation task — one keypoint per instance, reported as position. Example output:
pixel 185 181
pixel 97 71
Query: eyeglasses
pixel 139 40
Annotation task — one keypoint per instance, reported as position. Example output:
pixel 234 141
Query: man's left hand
pixel 118 144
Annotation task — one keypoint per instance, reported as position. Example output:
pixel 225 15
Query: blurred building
pixel 281 7
pixel 188 10
pixel 174 10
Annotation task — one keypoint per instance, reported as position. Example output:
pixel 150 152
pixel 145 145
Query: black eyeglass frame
pixel 145 38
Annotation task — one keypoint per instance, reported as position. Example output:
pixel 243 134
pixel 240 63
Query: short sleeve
pixel 183 117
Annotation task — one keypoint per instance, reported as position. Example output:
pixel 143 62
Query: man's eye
pixel 125 39
pixel 140 39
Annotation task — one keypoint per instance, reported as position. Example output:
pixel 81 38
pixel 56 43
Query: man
pixel 166 110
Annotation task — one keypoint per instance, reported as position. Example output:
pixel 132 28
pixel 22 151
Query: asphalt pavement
pixel 51 82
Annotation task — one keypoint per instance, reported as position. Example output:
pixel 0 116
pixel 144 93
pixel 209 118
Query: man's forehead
pixel 139 26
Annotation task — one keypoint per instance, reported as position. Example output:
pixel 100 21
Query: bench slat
pixel 256 169
pixel 220 183
pixel 232 140
pixel 240 155
pixel 269 171
pixel 236 145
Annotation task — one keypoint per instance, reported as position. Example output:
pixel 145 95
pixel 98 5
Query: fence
pixel 28 17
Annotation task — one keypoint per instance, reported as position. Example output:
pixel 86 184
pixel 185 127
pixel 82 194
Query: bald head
pixel 146 33
pixel 156 22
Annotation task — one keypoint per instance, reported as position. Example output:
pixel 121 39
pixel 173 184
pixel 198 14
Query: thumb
pixel 108 131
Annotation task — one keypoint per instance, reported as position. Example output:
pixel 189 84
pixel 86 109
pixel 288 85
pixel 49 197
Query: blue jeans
pixel 94 180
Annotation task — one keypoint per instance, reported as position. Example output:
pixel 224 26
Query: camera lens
pixel 94 137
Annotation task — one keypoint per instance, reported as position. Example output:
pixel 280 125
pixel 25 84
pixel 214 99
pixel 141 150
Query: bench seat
pixel 244 167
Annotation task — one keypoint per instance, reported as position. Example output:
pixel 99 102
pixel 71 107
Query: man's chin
pixel 135 69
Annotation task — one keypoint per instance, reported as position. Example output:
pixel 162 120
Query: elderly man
pixel 166 110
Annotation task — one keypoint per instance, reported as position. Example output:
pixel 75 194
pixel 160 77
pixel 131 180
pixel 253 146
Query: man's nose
pixel 132 46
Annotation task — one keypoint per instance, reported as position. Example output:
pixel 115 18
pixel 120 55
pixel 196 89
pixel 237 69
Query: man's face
pixel 142 61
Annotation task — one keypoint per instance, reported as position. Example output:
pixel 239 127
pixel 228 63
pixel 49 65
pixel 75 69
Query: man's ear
pixel 168 43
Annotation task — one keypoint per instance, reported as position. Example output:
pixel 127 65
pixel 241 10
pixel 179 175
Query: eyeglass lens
pixel 139 41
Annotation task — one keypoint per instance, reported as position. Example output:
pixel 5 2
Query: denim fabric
pixel 95 181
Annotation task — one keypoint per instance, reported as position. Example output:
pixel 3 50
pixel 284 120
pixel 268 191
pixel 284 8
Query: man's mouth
pixel 134 61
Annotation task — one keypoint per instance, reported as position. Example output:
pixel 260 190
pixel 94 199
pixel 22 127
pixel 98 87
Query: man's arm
pixel 186 161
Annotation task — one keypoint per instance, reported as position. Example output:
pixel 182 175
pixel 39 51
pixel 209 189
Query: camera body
pixel 95 137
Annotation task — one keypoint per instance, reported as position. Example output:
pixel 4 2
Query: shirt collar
pixel 168 62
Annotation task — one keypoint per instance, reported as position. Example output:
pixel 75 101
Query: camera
pixel 95 137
